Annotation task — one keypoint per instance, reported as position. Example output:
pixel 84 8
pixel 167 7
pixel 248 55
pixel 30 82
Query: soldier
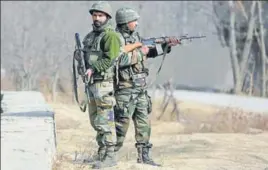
pixel 130 92
pixel 101 48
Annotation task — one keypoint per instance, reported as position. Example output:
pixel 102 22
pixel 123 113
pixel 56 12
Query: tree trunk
pixel 257 74
pixel 247 46
pixel 263 52
pixel 233 51
pixel 251 85
pixel 242 8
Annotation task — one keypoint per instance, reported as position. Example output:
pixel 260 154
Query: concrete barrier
pixel 28 137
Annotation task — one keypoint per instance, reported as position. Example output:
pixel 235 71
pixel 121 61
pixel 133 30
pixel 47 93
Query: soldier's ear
pixel 108 17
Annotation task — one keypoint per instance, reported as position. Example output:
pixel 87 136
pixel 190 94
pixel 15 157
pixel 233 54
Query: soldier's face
pixel 132 25
pixel 98 18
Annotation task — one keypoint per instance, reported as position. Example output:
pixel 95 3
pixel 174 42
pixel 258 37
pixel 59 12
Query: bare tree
pixel 246 33
pixel 247 45
pixel 234 60
pixel 263 51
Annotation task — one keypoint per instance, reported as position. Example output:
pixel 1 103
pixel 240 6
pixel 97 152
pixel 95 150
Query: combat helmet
pixel 125 15
pixel 101 6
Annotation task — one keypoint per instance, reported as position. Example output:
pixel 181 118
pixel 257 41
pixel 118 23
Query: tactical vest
pixel 134 75
pixel 93 53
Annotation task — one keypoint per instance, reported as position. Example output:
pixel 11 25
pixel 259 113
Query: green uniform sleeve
pixel 110 44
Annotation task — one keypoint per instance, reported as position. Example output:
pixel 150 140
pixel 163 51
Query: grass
pixel 74 133
pixel 203 118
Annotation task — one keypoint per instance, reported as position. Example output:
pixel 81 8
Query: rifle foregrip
pixel 148 42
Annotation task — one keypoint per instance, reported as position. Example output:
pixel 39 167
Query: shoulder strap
pixel 99 39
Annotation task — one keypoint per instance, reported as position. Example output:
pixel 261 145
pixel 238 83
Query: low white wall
pixel 28 138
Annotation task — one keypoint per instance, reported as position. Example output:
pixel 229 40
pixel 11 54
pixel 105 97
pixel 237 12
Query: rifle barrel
pixel 77 39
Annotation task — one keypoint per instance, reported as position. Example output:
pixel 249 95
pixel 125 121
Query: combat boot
pixel 100 155
pixel 143 154
pixel 109 159
pixel 117 147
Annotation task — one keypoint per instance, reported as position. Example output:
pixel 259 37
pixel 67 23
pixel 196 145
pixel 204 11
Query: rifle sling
pixel 160 67
pixel 83 105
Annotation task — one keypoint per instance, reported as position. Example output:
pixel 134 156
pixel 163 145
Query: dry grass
pixel 73 135
pixel 173 140
pixel 202 118
pixel 230 121
pixel 192 110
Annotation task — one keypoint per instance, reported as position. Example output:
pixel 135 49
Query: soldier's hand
pixel 138 44
pixel 173 41
pixel 89 72
pixel 144 50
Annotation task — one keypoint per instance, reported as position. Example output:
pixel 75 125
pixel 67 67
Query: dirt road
pixel 173 148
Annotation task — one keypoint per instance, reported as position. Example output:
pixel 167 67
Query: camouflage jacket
pixel 132 70
pixel 101 48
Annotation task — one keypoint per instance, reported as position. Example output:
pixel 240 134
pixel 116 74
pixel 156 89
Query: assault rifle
pixel 79 57
pixel 151 42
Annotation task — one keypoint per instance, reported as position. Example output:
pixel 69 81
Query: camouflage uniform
pixel 131 95
pixel 101 47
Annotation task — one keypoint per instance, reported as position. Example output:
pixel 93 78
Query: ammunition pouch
pixel 139 80
pixel 104 76
pixel 124 74
pixel 97 77
pixel 135 80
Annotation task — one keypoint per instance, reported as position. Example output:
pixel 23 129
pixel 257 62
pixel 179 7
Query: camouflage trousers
pixel 135 104
pixel 101 112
